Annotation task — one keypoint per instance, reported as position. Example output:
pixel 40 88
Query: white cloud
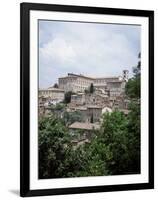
pixel 59 50
pixel 90 49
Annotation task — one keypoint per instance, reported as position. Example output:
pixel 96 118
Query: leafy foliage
pixel 115 149
pixel 133 92
pixel 53 144
pixel 71 117
pixel 121 143
pixel 133 85
pixel 134 137
pixel 59 106
pixel 91 89
pixel 67 97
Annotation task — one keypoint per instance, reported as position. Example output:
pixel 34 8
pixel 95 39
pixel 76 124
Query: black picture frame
pixel 25 9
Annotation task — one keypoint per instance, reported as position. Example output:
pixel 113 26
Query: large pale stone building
pixel 114 86
pixel 75 82
pixel 52 93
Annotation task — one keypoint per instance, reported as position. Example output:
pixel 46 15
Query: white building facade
pixel 75 83
pixel 52 93
pixel 114 86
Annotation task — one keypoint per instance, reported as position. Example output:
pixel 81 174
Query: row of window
pixel 79 81
pixel 50 93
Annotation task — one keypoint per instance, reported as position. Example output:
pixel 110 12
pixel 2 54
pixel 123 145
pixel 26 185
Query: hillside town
pixel 89 99
pixel 85 100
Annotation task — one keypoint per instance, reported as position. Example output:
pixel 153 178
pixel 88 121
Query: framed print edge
pixel 24 101
pixel 25 9
pixel 151 99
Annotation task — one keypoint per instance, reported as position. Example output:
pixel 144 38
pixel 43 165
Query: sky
pixel 91 49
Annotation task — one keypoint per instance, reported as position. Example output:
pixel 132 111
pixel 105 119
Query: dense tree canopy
pixel 53 144
pixel 133 90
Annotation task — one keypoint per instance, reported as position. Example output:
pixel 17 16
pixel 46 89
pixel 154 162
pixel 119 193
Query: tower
pixel 125 75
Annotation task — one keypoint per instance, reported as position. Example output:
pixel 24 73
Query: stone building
pixel 41 105
pixel 113 86
pixel 86 129
pixel 96 98
pixel 78 99
pixel 52 93
pixel 74 82
pixel 94 113
pixel 116 88
pixel 90 113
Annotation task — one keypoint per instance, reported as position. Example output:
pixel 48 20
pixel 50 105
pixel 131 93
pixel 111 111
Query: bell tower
pixel 125 75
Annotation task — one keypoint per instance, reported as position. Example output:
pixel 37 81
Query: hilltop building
pixel 113 86
pixel 52 93
pixel 107 96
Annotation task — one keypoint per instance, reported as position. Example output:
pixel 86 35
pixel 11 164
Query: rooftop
pixel 114 78
pixel 94 106
pixel 116 81
pixel 125 111
pixel 80 75
pixel 108 77
pixel 84 126
pixel 77 107
pixel 51 89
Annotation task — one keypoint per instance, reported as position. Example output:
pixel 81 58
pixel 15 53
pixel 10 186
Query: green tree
pixel 91 89
pixel 56 85
pixel 76 162
pixel 133 86
pixel 67 96
pixel 114 135
pixel 71 117
pixel 53 144
pixel 134 137
pixel 133 93
pixel 86 160
pixel 86 91
pixel 59 106
pixel 95 158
